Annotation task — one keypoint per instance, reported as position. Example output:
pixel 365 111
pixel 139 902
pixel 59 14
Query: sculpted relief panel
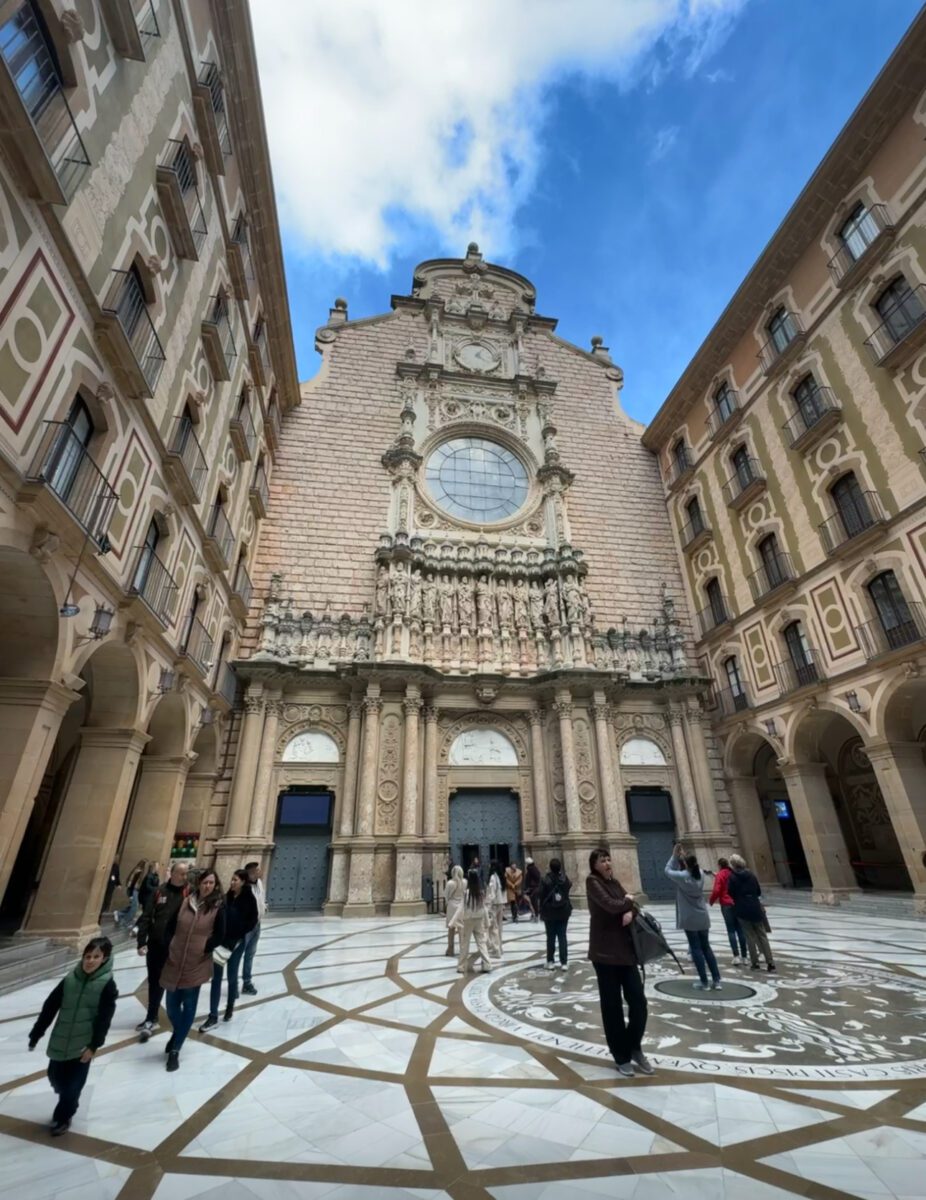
pixel 482 748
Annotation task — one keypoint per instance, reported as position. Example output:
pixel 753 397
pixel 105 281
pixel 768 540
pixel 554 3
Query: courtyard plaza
pixel 366 1068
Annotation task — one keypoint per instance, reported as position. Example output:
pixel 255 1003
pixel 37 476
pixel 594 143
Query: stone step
pixel 44 961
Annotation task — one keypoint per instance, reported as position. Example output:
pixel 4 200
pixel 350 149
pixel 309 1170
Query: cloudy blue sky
pixel 631 157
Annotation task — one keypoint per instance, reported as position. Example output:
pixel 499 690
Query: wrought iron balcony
pixel 877 638
pixel 37 127
pixel 791 675
pixel 695 533
pixel 902 332
pixel 242 432
pixel 154 584
pixel 781 347
pixel 63 464
pixel 242 590
pixel 219 339
pixel 239 259
pixel 129 334
pixel 260 493
pixel 730 702
pixel 196 644
pixel 226 685
pixel 211 117
pixel 855 518
pixel 131 25
pixel 871 232
pixel 259 355
pixel 777 572
pixel 816 415
pixel 178 192
pixel 185 462
pixel 746 482
pixel 273 424
pixel 680 466
pixel 724 414
pixel 714 616
pixel 220 539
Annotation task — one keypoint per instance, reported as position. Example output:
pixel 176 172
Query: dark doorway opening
pixel 298 877
pixel 652 823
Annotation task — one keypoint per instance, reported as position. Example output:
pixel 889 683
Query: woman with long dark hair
pixel 200 928
pixel 692 915
pixel 495 910
pixel 136 878
pixel 472 923
pixel 240 919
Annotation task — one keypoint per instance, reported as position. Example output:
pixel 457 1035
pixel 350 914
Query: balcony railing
pixel 239 258
pixel 902 330
pixel 227 684
pixel 220 538
pixel 242 432
pixel 730 702
pixel 186 461
pixel 791 675
pixel 179 194
pixel 273 425
pixel 680 466
pixel 714 616
pixel 260 355
pixel 722 414
pixel 143 356
pixel 816 412
pixel 789 335
pixel 745 482
pixel 197 644
pixel 694 533
pixel 854 518
pixel 774 573
pixel 260 493
pixel 131 24
pixel 877 638
pixel 63 464
pixel 209 100
pixel 242 590
pixel 871 230
pixel 154 584
pixel 38 127
pixel 219 339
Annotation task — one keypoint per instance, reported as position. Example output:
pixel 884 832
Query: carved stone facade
pixel 467 554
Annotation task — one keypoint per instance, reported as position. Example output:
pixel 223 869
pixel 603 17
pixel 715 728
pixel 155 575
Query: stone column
pixel 409 848
pixel 901 774
pixel 431 715
pixel 537 718
pixel 683 771
pixel 70 895
pixel 263 808
pixel 615 811
pixel 156 808
pixel 349 789
pixel 701 767
pixel 360 881
pixel 821 836
pixel 237 819
pixel 750 825
pixel 563 707
pixel 30 717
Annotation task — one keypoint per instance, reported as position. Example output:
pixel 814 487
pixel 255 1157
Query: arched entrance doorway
pixel 780 822
pixel 300 864
pixel 485 811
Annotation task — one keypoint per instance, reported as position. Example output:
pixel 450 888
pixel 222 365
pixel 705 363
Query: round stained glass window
pixel 476 480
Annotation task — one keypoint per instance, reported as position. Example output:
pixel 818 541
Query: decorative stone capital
pixel 372 704
pixel 600 712
pixel 254 704
pixel 562 708
pixel 412 704
pixel 676 717
pixel 355 710
pixel 536 716
pixel 431 714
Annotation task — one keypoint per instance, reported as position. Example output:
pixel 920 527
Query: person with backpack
pixel 720 894
pixel 495 910
pixel 137 876
pixel 453 902
pixel 692 915
pixel 200 927
pixel 84 1003
pixel 611 951
pixel 471 921
pixel 555 908
pixel 240 918
pixel 155 929
pixel 745 893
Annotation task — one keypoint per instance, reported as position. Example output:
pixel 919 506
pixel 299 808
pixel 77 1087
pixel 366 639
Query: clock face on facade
pixel 474 356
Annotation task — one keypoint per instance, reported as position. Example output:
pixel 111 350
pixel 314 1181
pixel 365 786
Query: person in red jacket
pixel 720 894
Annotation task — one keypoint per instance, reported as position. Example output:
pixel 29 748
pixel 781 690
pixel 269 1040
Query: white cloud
pixel 663 142
pixel 387 116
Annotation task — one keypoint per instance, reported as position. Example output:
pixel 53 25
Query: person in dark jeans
pixel 255 879
pixel 532 881
pixel 155 929
pixel 240 919
pixel 692 915
pixel 555 908
pixel 611 951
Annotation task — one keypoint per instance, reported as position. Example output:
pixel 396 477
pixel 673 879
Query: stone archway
pixel 747 768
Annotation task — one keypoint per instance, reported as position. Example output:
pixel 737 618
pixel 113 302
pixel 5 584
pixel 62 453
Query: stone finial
pixel 599 349
pixel 338 314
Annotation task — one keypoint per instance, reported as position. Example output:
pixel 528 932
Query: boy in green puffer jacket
pixel 84 1002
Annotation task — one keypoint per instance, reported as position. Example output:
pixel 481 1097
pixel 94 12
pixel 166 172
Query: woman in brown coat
pixel 610 948
pixel 513 877
pixel 200 928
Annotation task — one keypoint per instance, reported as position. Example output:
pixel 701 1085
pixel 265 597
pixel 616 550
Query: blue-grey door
pixel 485 819
pixel 652 823
pixel 298 876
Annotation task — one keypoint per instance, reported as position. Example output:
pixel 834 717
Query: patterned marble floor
pixel 367 1069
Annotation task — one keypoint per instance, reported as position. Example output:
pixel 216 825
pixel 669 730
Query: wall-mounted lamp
pixel 206 716
pixel 854 703
pixel 770 728
pixel 166 681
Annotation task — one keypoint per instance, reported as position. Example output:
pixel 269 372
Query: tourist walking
pixel 200 928
pixel 513 878
pixel 136 877
pixel 453 902
pixel 149 885
pixel 555 908
pixel 532 880
pixel 745 893
pixel 692 915
pixel 720 894
pixel 155 929
pixel 84 1003
pixel 472 924
pixel 255 879
pixel 611 951
pixel 240 918
pixel 495 910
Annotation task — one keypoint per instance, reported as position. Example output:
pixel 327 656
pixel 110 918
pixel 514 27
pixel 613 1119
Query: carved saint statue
pixel 503 600
pixel 535 601
pixel 429 599
pixel 484 602
pixel 522 604
pixel 446 594
pixel 572 597
pixel 399 591
pixel 414 595
pixel 381 604
pixel 465 601
pixel 551 602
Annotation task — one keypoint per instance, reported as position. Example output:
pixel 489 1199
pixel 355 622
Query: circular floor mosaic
pixel 816 1022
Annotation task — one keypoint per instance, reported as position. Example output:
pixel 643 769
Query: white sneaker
pixel 701 987
pixel 549 966
pixel 716 985
pixel 562 967
pixel 737 961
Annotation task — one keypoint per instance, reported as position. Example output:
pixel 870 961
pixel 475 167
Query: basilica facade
pixel 474 639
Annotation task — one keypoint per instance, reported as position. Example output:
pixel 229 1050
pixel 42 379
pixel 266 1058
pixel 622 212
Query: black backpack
pixel 649 943
pixel 556 904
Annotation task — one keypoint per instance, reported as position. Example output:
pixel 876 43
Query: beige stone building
pixel 475 639
pixel 792 450
pixel 145 363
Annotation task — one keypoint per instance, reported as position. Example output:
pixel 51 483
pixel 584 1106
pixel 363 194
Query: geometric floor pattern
pixel 367 1069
